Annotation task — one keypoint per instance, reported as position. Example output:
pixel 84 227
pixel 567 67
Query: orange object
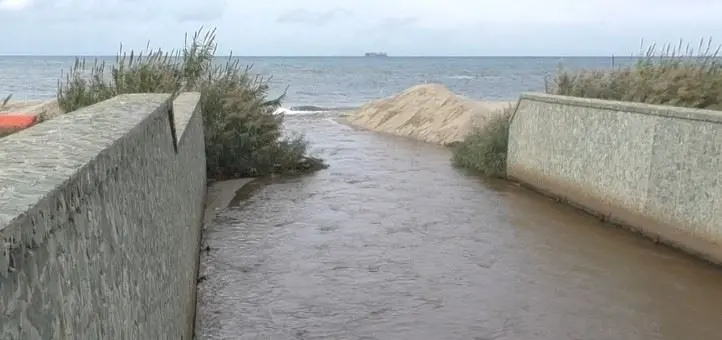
pixel 17 121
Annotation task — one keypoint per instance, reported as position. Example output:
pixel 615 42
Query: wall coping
pixel 183 108
pixel 704 115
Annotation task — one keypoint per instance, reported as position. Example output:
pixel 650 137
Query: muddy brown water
pixel 391 242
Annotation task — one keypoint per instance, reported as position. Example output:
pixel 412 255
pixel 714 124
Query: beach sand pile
pixel 429 112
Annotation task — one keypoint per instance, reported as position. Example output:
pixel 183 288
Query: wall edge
pixel 631 107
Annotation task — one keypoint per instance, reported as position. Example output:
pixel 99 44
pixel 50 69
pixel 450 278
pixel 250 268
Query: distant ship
pixel 376 54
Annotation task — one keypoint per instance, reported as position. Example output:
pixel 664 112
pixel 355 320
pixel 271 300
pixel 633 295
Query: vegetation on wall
pixel 243 135
pixel 673 75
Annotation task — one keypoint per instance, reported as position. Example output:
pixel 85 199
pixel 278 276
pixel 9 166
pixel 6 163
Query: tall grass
pixel 672 75
pixel 243 136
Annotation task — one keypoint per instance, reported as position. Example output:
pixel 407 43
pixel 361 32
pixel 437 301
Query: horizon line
pixel 347 56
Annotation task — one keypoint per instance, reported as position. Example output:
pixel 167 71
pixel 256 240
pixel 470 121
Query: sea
pixel 314 84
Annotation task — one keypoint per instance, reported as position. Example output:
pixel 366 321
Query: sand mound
pixel 430 113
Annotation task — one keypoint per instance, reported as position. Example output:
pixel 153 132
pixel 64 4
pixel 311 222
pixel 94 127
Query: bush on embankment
pixel 677 76
pixel 243 136
pixel 484 149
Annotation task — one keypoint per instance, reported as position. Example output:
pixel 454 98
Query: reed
pixel 243 136
pixel 676 75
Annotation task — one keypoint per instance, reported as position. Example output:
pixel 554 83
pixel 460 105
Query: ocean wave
pixel 310 109
pixel 462 77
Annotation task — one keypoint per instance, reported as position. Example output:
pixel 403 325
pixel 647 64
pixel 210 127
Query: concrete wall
pixel 100 216
pixel 656 169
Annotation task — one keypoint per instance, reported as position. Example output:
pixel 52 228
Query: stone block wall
pixel 100 218
pixel 655 169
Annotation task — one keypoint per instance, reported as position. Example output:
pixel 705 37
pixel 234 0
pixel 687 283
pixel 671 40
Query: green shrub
pixel 484 149
pixel 677 76
pixel 243 135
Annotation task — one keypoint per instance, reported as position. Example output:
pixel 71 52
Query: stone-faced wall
pixel 100 217
pixel 656 169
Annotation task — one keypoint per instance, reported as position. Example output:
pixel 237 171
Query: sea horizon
pixel 342 81
pixel 328 56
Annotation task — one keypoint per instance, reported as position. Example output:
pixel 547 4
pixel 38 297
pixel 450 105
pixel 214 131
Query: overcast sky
pixel 352 27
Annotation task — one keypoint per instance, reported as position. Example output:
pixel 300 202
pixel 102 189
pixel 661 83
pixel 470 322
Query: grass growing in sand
pixel 243 136
pixel 674 75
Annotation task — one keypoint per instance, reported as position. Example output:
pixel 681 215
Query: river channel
pixel 391 242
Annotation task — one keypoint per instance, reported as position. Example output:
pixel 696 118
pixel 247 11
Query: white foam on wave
pixel 462 77
pixel 289 112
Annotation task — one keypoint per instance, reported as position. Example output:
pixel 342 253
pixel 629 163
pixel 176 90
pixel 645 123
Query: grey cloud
pixel 303 16
pixel 205 13
pixel 397 22
pixel 126 11
pixel 388 25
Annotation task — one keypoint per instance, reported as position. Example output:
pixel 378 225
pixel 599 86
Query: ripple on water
pixel 390 242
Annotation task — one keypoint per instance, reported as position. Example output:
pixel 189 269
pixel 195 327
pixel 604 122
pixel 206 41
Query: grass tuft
pixel 484 149
pixel 243 135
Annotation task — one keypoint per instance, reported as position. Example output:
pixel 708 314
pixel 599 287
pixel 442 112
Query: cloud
pixel 321 27
pixel 14 5
pixel 313 18
pixel 121 11
pixel 394 23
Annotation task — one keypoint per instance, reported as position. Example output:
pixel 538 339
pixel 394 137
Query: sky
pixel 352 27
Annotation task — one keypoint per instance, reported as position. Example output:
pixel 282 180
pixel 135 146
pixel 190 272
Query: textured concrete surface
pixel 100 216
pixel 654 169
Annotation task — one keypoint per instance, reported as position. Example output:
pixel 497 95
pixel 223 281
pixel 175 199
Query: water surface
pixel 391 243
pixel 333 82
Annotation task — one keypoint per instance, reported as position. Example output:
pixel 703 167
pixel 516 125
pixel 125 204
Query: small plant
pixel 6 101
pixel 677 76
pixel 243 136
pixel 484 149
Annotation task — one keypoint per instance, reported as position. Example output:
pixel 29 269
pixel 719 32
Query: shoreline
pixel 219 194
